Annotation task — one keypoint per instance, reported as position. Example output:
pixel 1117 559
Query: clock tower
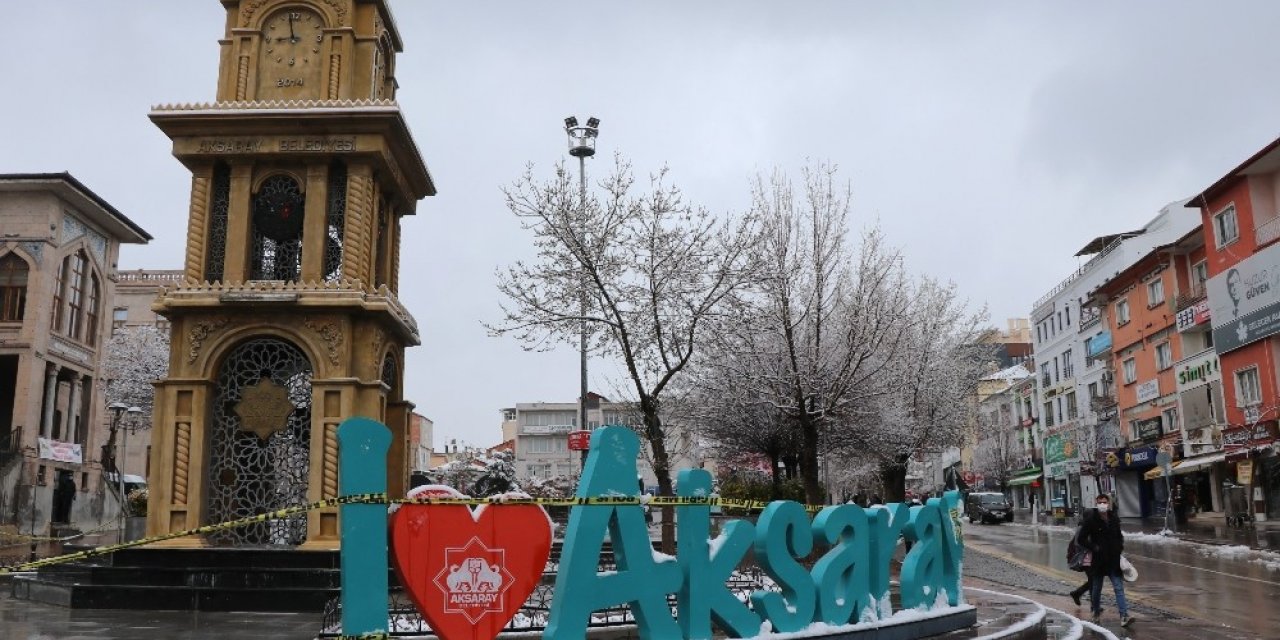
pixel 288 319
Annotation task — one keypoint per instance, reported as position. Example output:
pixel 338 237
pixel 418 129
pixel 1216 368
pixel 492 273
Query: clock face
pixel 291 44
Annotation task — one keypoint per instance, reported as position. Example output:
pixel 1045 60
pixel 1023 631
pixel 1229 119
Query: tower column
pixel 314 232
pixel 239 223
pixel 331 403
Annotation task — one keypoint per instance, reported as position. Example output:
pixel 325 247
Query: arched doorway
pixel 259 442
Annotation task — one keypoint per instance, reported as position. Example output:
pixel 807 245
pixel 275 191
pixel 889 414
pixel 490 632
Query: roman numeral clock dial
pixel 290 50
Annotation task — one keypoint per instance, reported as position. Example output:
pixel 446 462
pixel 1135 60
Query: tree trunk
pixel 894 481
pixel 776 471
pixel 661 469
pixel 809 459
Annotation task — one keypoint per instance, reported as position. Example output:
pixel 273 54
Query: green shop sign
pixel 1059 448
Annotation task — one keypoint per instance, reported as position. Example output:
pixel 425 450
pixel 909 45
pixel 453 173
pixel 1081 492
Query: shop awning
pixel 1199 462
pixel 1157 472
pixel 1187 465
pixel 1025 478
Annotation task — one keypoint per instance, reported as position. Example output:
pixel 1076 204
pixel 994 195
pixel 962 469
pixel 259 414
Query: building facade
pixel 58 257
pixel 1070 340
pixel 1240 213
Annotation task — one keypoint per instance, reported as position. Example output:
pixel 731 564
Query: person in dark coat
pixel 1100 534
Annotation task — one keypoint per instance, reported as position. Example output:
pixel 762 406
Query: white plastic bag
pixel 1130 572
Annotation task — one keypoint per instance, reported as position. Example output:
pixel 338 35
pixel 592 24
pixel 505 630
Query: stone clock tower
pixel 288 320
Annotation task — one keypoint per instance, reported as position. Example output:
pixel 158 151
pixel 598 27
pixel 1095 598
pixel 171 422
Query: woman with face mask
pixel 1100 534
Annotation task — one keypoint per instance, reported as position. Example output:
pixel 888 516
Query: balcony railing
pixel 1195 293
pixel 1078 272
pixel 1102 403
pixel 1268 231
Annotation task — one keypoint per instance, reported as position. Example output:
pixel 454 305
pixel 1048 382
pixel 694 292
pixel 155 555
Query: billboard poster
pixel 1244 301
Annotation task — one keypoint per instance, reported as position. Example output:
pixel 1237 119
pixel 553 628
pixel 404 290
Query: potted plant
pixel 135 526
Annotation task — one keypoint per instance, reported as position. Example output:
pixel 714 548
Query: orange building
pixel 1143 322
pixel 1241 217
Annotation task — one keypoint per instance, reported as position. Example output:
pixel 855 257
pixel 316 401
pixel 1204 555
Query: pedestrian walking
pixel 1100 534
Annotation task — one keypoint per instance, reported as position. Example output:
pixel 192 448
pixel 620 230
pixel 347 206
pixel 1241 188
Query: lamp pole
pixel 118 410
pixel 582 145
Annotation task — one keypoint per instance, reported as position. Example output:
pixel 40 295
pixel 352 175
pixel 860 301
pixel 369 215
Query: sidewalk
pixel 1206 528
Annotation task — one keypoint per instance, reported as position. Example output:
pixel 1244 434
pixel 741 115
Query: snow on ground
pixel 819 629
pixel 1268 559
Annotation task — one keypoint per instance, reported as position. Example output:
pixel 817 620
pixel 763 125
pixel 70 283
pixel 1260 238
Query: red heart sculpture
pixel 469 575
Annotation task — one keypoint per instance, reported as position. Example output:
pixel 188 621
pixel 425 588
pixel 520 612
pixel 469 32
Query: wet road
pixel 1223 585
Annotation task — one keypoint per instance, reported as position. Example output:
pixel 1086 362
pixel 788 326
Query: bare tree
pixel 653 270
pixel 997 450
pixel 936 374
pixel 864 363
pixel 137 356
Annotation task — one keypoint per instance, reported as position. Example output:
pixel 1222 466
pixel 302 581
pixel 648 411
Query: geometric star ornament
pixel 264 408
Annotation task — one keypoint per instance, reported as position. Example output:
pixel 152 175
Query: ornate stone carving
pixel 330 460
pixel 252 6
pixel 196 227
pixel 331 334
pixel 375 349
pixel 181 462
pixel 264 408
pixel 34 249
pixel 199 333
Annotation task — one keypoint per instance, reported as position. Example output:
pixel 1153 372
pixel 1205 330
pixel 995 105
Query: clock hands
pixel 292 37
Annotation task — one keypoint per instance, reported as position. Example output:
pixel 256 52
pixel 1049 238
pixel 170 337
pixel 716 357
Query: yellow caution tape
pixel 381 498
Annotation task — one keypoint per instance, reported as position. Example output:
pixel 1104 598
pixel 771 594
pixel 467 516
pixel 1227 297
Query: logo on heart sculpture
pixel 469 572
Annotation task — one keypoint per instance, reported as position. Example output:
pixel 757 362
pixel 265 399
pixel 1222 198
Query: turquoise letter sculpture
pixel 886 523
pixel 782 535
pixel 704 594
pixel 641 580
pixel 362 469
pixel 841 574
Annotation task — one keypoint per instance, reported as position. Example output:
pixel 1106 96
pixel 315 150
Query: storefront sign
pixel 1241 436
pixel 1245 301
pixel 1148 429
pixel 1149 390
pixel 1134 458
pixel 546 429
pixel 1194 315
pixel 1099 343
pixel 60 451
pixel 1244 472
pixel 1059 448
pixel 1198 370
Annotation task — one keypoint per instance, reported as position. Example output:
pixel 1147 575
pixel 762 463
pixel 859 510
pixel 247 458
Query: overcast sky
pixel 992 140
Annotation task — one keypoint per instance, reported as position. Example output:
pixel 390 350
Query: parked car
pixel 988 507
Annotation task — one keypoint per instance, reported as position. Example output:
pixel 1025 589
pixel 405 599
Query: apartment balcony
pixel 1102 403
pixel 1268 231
pixel 1195 293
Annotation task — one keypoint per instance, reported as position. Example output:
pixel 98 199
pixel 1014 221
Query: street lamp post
pixel 582 145
pixel 118 410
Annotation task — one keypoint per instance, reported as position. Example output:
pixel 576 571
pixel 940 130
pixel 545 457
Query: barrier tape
pixel 381 498
pixel 9 540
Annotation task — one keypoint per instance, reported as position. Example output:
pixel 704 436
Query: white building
pixel 1072 382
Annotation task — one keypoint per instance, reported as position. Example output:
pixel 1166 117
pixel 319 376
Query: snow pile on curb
pixel 820 629
pixel 1268 559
